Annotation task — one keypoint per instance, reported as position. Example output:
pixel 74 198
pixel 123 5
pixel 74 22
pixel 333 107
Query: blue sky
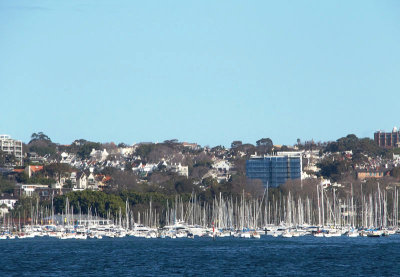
pixel 200 71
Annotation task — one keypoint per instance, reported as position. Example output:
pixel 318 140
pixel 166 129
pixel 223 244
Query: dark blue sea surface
pixel 303 256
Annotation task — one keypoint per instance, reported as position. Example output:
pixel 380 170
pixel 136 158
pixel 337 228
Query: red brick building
pixel 388 140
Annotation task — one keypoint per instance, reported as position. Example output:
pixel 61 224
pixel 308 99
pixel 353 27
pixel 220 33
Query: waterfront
pixel 304 256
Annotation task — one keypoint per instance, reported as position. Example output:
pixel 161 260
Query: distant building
pixel 372 173
pixel 388 140
pixel 30 170
pixel 8 200
pixel 67 158
pixel 192 146
pixel 179 169
pixel 84 181
pixel 99 155
pixel 43 191
pixel 11 146
pixel 275 170
pixel 28 189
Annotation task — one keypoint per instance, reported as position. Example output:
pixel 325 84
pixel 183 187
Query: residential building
pixel 8 200
pixel 32 169
pixel 84 181
pixel 192 146
pixel 35 158
pixel 221 165
pixel 12 146
pixel 388 140
pixel 144 169
pixel 372 173
pixel 179 169
pixel 28 189
pixel 67 158
pixel 275 170
pixel 81 181
pixel 99 155
pixel 43 191
pixel 91 181
pixel 222 170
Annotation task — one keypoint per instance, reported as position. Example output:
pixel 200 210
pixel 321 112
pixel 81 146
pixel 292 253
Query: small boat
pixel 374 234
pixel 287 234
pixel 353 234
pixel 318 234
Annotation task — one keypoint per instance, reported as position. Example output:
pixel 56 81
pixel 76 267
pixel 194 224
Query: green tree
pixel 41 144
pixel 56 170
pixel 334 169
pixel 144 150
pixel 395 173
pixel 85 149
pixel 6 159
pixel 264 145
pixel 39 136
pixel 6 186
pixel 265 142
pixel 236 143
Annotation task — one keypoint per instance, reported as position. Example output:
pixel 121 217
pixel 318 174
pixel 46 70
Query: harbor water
pixel 301 256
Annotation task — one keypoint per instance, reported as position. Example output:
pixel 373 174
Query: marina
pixel 322 214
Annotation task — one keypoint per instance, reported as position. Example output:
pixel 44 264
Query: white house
pixel 67 158
pixel 222 165
pixel 147 168
pixel 29 189
pixel 8 200
pixel 81 181
pixel 91 181
pixel 127 151
pixel 84 181
pixel 99 155
pixel 179 169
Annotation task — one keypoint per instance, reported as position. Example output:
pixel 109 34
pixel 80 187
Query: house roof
pixel 7 196
pixel 80 174
pixel 36 168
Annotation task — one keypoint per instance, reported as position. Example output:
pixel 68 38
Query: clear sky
pixel 200 71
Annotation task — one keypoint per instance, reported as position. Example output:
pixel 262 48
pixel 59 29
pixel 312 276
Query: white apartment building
pixel 179 169
pixel 11 146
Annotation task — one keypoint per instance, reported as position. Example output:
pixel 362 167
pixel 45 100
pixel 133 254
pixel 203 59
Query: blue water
pixel 304 256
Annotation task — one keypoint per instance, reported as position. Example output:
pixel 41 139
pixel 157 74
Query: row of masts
pixel 326 207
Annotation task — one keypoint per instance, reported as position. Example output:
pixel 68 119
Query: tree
pixel 7 159
pixel 236 143
pixel 395 173
pixel 85 149
pixel 144 150
pixel 265 142
pixel 68 184
pixel 41 144
pixel 285 148
pixel 352 143
pixel 264 145
pixel 42 147
pixel 56 170
pixel 39 136
pixel 6 186
pixel 171 141
pixel 334 169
